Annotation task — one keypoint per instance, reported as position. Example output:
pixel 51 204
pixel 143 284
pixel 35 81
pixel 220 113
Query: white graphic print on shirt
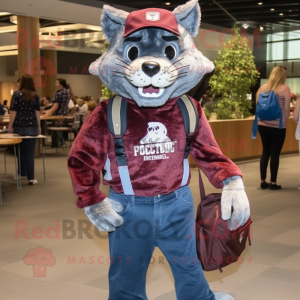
pixel 155 144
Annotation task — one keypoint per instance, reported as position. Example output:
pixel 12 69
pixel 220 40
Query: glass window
pixel 293 49
pixel 294 35
pixel 279 36
pixel 275 51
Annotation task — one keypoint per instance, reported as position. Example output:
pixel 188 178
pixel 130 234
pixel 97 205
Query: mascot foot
pixel 223 296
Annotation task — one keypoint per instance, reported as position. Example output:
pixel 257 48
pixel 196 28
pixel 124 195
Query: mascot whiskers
pixel 140 140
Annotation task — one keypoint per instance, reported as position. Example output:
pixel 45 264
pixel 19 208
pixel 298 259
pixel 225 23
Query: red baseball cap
pixel 151 17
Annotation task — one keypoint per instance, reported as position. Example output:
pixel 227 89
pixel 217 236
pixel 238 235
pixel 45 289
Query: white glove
pixel 234 195
pixel 104 214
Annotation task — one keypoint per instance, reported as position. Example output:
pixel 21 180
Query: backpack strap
pixel 117 125
pixel 191 121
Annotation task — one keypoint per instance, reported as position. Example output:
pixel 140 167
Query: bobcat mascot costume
pixel 150 63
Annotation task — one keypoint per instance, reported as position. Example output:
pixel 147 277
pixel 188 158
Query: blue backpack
pixel 267 109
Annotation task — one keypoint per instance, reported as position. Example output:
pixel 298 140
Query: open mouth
pixel 151 91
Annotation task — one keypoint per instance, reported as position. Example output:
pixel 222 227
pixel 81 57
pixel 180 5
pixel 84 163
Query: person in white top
pixel 296 118
pixel 81 107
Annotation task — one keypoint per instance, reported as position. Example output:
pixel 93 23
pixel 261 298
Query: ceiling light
pixel 7 53
pixel 14 19
pixel 260 3
pixel 95 28
pixel 4 13
pixel 290 11
pixel 272 9
pixel 245 26
pixel 168 3
pixel 281 14
pixel 261 28
pixel 4 29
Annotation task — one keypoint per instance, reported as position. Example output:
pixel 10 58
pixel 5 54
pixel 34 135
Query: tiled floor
pixel 270 268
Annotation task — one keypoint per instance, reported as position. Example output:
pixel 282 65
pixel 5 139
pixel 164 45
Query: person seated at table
pixel 82 108
pixel 6 106
pixel 71 107
pixel 25 121
pixel 2 112
pixel 59 107
pixel 91 106
pixel 47 103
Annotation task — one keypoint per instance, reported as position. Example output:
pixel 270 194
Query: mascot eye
pixel 170 52
pixel 133 53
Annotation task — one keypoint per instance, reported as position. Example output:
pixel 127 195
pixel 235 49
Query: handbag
pixel 217 246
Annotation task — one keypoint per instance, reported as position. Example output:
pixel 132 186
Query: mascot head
pixel 152 56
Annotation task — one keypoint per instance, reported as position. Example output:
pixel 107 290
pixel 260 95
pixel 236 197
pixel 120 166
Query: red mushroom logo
pixel 40 68
pixel 39 258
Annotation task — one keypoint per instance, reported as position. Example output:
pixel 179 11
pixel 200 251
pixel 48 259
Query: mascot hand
pixel 104 214
pixel 234 195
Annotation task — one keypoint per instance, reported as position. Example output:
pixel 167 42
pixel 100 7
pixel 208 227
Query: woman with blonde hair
pixel 272 136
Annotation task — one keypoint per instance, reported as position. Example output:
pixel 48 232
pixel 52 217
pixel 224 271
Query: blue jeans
pixel 27 151
pixel 165 221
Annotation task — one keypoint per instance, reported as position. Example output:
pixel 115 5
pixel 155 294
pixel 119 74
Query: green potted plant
pixel 235 73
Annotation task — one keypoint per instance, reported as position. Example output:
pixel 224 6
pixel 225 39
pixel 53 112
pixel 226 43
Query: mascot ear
pixel 112 21
pixel 188 15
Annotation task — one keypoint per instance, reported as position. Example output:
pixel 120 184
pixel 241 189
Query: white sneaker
pixel 223 296
pixel 32 182
pixel 16 176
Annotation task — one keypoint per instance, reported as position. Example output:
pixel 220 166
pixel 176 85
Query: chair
pixel 66 125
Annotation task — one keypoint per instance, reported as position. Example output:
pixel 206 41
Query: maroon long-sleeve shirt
pixel 154 145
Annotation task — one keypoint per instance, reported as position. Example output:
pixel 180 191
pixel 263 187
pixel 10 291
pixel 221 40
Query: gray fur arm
pixel 104 214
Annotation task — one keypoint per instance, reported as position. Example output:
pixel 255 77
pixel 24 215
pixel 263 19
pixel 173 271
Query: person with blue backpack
pixel 272 112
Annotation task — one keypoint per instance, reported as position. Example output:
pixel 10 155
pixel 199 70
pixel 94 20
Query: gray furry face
pixel 151 65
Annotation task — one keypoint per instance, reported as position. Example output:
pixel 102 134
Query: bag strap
pixel 117 125
pixel 254 127
pixel 201 186
pixel 191 121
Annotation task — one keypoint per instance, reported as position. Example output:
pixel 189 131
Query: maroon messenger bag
pixel 217 246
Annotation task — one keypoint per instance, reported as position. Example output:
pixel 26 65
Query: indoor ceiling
pixel 275 15
pixel 80 19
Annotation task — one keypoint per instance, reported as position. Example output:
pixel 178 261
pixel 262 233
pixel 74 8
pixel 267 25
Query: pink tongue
pixel 151 89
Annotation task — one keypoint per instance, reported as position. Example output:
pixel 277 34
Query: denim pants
pixel 166 222
pixel 27 147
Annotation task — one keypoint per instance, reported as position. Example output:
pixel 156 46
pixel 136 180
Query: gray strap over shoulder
pixel 191 121
pixel 117 125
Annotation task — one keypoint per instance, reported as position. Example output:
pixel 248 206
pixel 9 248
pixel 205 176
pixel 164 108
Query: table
pixel 4 122
pixel 14 136
pixel 58 117
pixel 9 142
pixel 51 118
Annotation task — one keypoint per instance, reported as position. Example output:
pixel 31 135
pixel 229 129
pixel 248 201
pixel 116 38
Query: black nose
pixel 150 68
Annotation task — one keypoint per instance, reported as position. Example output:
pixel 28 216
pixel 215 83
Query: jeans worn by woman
pixel 27 151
